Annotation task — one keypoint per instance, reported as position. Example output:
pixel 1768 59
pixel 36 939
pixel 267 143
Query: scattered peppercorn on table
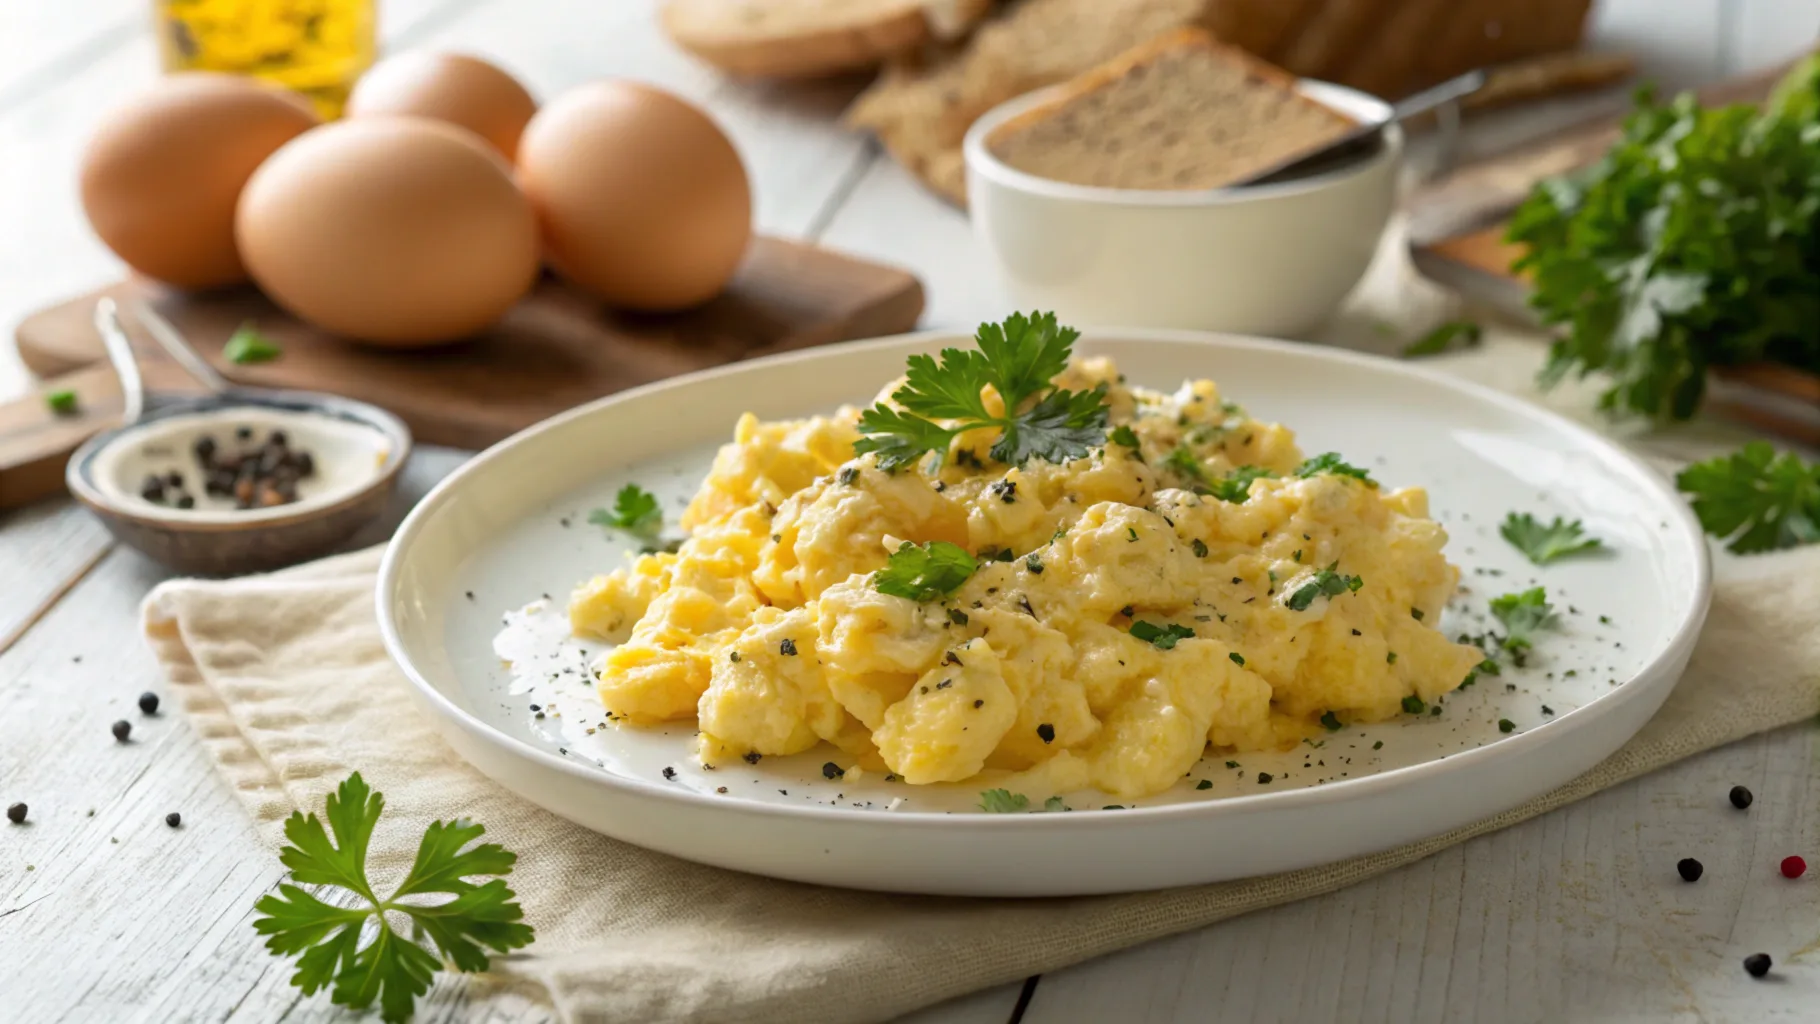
pixel 128 870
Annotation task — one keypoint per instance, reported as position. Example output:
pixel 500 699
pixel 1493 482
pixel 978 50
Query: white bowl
pixel 510 527
pixel 1269 259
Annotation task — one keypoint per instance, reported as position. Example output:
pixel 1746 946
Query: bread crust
pixel 859 38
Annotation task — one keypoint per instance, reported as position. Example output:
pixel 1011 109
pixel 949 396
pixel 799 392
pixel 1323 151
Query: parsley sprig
pixel 635 510
pixel 1523 615
pixel 1445 338
pixel 1544 544
pixel 924 572
pixel 1758 499
pixel 1164 637
pixel 1235 486
pixel 390 968
pixel 1330 462
pixel 1019 359
pixel 1324 583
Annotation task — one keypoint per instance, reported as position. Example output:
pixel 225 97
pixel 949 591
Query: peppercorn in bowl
pixel 1190 624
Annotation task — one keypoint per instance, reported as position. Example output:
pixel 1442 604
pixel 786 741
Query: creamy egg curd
pixel 1017 562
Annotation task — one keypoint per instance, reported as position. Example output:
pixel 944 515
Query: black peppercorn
pixel 148 703
pixel 122 730
pixel 1757 964
pixel 830 770
pixel 1046 732
pixel 1741 797
pixel 152 489
pixel 669 773
pixel 16 814
pixel 1690 869
pixel 173 819
pixel 204 448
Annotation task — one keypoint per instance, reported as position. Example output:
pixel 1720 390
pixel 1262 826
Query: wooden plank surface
pixel 1573 917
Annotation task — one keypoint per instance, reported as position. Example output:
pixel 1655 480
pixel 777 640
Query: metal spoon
pixel 1366 138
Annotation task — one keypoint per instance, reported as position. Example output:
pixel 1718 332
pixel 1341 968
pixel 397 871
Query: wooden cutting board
pixel 1456 236
pixel 555 350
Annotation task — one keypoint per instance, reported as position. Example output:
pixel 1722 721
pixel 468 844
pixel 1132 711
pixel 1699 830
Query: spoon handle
pixel 1456 88
pixel 167 338
pixel 126 365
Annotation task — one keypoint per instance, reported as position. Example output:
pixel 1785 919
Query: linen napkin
pixel 285 678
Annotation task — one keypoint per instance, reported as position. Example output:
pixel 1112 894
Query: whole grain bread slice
pixel 1179 112
pixel 807 38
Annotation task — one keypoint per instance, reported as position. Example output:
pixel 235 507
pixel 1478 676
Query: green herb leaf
pixel 1523 614
pixel 1456 333
pixel 925 572
pixel 1330 462
pixel 1003 801
pixel 1019 359
pixel 391 969
pixel 1125 436
pixel 1163 638
pixel 1235 486
pixel 1758 499
pixel 1414 705
pixel 62 402
pixel 1184 462
pixel 1544 544
pixel 635 510
pixel 1331 722
pixel 1054 803
pixel 247 345
pixel 1325 582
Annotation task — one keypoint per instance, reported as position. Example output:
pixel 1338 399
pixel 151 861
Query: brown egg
pixel 162 175
pixel 641 199
pixel 461 90
pixel 394 230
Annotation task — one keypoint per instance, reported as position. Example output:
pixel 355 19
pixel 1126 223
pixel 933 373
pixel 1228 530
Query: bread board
pixel 556 349
pixel 1456 237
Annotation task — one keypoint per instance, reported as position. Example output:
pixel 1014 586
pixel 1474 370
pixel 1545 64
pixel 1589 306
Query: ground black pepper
pixel 787 648
pixel 669 773
pixel 830 770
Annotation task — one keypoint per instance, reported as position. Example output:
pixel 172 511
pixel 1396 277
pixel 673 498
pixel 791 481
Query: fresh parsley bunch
pixel 1758 499
pixel 392 968
pixel 1694 243
pixel 1019 359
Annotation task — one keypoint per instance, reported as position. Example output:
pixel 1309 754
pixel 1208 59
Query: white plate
pixel 511 526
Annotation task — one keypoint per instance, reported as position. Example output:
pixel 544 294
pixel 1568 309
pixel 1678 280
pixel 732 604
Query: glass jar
pixel 317 47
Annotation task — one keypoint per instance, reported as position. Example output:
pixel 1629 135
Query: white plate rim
pixel 1557 730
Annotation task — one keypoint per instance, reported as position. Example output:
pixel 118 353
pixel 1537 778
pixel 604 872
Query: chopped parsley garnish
pixel 1757 499
pixel 392 967
pixel 1185 463
pixel 924 572
pixel 1019 359
pixel 1417 614
pixel 634 510
pixel 1003 801
pixel 1506 725
pixel 1450 335
pixel 847 476
pixel 1204 784
pixel 1124 436
pixel 1414 705
pixel 1054 803
pixel 61 402
pixel 1163 638
pixel 247 345
pixel 1330 462
pixel 1199 547
pixel 1237 659
pixel 1235 486
pixel 1522 615
pixel 1034 563
pixel 1543 544
pixel 1331 722
pixel 1325 582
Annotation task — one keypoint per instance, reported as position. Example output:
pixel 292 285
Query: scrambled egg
pixel 767 628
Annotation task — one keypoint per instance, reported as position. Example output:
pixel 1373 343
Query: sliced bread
pixel 921 108
pixel 806 38
pixel 1178 112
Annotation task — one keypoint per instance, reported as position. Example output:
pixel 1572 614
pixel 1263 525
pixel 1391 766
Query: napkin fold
pixel 285 678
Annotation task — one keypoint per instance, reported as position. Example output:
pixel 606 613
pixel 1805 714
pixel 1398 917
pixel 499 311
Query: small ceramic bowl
pixel 1272 259
pixel 145 479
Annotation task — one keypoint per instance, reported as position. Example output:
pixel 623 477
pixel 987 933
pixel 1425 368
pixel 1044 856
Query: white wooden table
pixel 107 915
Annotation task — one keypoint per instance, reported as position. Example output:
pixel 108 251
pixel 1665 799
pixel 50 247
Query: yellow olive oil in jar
pixel 317 47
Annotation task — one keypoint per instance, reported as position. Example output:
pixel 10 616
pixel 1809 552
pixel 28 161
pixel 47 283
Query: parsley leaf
pixel 1463 333
pixel 1235 486
pixel 1163 638
pixel 634 510
pixel 1003 801
pixel 1019 359
pixel 1054 803
pixel 1325 582
pixel 1758 499
pixel 1692 243
pixel 1543 544
pixel 1330 462
pixel 925 572
pixel 247 345
pixel 1124 435
pixel 62 402
pixel 1185 463
pixel 1522 615
pixel 391 968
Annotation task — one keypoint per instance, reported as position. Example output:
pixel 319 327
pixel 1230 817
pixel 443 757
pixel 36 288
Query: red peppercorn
pixel 1793 867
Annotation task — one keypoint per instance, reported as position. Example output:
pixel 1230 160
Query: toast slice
pixel 1179 112
pixel 807 38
